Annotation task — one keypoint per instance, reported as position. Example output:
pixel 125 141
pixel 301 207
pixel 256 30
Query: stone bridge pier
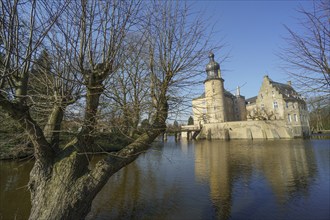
pixel 190 131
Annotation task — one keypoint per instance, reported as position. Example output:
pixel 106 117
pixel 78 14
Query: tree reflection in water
pixel 259 179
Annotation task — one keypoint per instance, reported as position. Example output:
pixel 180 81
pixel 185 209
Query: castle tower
pixel 241 105
pixel 214 93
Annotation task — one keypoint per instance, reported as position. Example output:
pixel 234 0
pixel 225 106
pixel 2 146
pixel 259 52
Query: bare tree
pixel 319 117
pixel 178 44
pixel 260 114
pixel 126 94
pixel 53 87
pixel 87 38
pixel 307 55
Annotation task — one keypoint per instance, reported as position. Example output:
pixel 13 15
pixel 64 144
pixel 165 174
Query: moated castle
pixel 277 112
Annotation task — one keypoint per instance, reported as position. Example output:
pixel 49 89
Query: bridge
pixel 190 131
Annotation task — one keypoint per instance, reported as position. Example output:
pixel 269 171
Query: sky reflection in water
pixel 272 179
pixel 282 179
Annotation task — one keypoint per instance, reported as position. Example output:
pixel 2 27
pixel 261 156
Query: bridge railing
pixel 190 128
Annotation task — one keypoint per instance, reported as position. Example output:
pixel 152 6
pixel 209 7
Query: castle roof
pixel 212 65
pixel 200 97
pixel 289 94
pixel 226 93
pixel 212 68
pixel 229 94
pixel 251 100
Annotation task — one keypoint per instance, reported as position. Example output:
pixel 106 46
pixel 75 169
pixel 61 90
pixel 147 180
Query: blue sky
pixel 253 31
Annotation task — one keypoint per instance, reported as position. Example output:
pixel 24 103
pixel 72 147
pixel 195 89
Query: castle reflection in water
pixel 243 179
pixel 237 179
pixel 287 166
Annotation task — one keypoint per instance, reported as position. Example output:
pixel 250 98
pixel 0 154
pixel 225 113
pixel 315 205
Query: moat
pixel 238 179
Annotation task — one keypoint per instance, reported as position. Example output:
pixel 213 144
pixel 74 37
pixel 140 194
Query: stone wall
pixel 250 130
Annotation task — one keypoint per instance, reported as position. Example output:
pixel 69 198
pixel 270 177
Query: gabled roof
pixel 287 91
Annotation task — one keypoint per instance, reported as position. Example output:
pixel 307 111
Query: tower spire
pixel 212 68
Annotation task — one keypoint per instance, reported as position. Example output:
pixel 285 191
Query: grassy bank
pixel 14 147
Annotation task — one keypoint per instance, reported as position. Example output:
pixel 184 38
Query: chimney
pixel 289 83
pixel 238 92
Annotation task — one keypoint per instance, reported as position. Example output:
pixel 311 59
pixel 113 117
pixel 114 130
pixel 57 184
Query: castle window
pixel 262 106
pixel 275 104
pixel 289 118
pixel 295 117
pixel 286 104
pixel 273 93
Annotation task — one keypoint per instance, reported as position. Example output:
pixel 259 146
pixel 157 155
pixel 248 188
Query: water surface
pixel 260 179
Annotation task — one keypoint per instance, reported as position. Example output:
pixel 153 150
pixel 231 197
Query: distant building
pixel 277 112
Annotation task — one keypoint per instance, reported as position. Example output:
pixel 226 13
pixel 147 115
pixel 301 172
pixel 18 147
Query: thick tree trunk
pixel 66 188
pixel 57 191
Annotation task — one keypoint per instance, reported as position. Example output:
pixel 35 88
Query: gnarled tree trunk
pixel 63 186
